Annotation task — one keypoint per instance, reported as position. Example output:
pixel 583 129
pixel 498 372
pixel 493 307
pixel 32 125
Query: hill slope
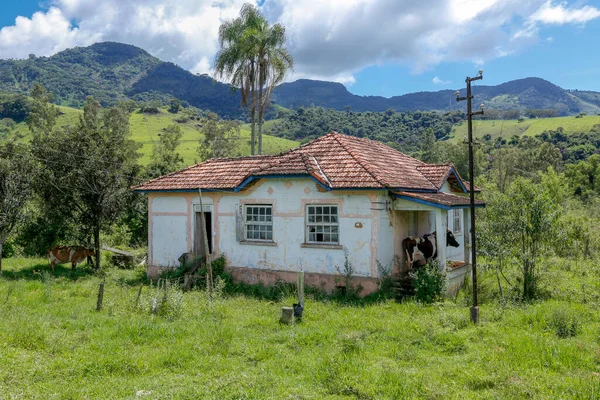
pixel 146 128
pixel 113 71
pixel 528 127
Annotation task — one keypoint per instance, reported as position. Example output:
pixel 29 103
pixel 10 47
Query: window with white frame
pixel 457 220
pixel 258 222
pixel 322 224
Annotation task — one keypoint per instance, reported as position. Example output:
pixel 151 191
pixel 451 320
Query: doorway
pixel 199 234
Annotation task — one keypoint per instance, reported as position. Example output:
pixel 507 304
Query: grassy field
pixel 145 129
pixel 54 345
pixel 531 127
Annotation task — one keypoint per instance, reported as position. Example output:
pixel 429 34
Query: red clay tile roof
pixel 445 199
pixel 436 174
pixel 337 161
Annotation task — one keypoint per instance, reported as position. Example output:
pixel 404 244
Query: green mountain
pixel 521 94
pixel 113 71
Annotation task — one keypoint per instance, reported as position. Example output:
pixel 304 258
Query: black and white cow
pixel 419 250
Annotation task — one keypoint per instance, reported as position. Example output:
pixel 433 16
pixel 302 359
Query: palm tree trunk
pixel 261 109
pixel 253 127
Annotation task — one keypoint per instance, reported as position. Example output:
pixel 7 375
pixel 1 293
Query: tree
pixel 429 153
pixel 584 177
pixel 236 61
pixel 165 158
pixel 43 114
pixel 523 220
pixel 220 138
pixel 16 168
pixel 274 62
pixel 253 58
pixel 87 169
pixel 174 105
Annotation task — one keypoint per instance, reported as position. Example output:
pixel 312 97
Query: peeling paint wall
pixel 361 217
pixel 289 199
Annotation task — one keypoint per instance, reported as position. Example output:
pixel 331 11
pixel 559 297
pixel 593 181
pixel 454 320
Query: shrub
pixel 564 322
pixel 429 283
pixel 9 249
pixel 344 283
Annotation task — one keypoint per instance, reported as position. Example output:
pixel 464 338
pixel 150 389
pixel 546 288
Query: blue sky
pixel 374 47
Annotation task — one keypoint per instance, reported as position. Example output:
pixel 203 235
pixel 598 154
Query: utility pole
pixel 470 113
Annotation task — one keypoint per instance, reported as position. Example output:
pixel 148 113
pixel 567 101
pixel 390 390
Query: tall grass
pixel 53 344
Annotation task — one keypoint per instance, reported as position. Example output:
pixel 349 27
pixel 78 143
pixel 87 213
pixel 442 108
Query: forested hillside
pixel 111 72
pixel 522 94
pixel 402 130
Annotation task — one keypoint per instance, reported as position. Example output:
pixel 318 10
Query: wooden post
pixel 100 296
pixel 467 235
pixel 209 277
pixel 139 296
pixel 300 284
pixel 287 315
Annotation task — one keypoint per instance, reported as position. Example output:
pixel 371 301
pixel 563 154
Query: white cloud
pixel 330 40
pixel 182 31
pixel 560 14
pixel 437 81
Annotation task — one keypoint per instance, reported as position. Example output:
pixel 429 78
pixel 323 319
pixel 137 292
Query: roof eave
pixel 435 204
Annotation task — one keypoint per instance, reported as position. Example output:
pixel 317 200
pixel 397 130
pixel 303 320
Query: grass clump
pixel 564 322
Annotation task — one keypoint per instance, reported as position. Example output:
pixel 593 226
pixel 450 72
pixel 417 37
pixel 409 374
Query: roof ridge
pixel 335 135
pixel 321 171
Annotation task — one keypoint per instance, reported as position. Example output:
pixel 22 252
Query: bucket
pixel 298 309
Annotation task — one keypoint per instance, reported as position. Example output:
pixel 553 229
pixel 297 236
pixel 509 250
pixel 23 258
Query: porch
pixel 417 214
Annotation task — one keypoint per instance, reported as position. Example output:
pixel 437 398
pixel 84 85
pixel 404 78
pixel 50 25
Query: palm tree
pixel 273 62
pixel 253 58
pixel 235 60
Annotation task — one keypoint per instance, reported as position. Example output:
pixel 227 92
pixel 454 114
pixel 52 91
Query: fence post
pixel 300 285
pixel 139 296
pixel 100 296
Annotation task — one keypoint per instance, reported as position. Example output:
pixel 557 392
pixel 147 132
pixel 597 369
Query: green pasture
pixel 146 128
pixel 531 127
pixel 55 345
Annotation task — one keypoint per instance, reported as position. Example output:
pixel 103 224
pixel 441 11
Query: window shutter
pixel 239 223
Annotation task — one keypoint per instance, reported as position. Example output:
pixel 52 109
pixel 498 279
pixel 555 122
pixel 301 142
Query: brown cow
pixel 72 254
pixel 419 250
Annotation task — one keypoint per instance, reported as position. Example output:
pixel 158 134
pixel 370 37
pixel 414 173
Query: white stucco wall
pixel 362 215
pixel 289 199
pixel 365 227
pixel 169 239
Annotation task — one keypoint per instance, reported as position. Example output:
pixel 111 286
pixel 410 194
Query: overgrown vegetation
pixel 429 283
pixel 544 349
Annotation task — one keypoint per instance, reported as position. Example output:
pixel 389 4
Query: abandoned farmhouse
pixel 274 215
